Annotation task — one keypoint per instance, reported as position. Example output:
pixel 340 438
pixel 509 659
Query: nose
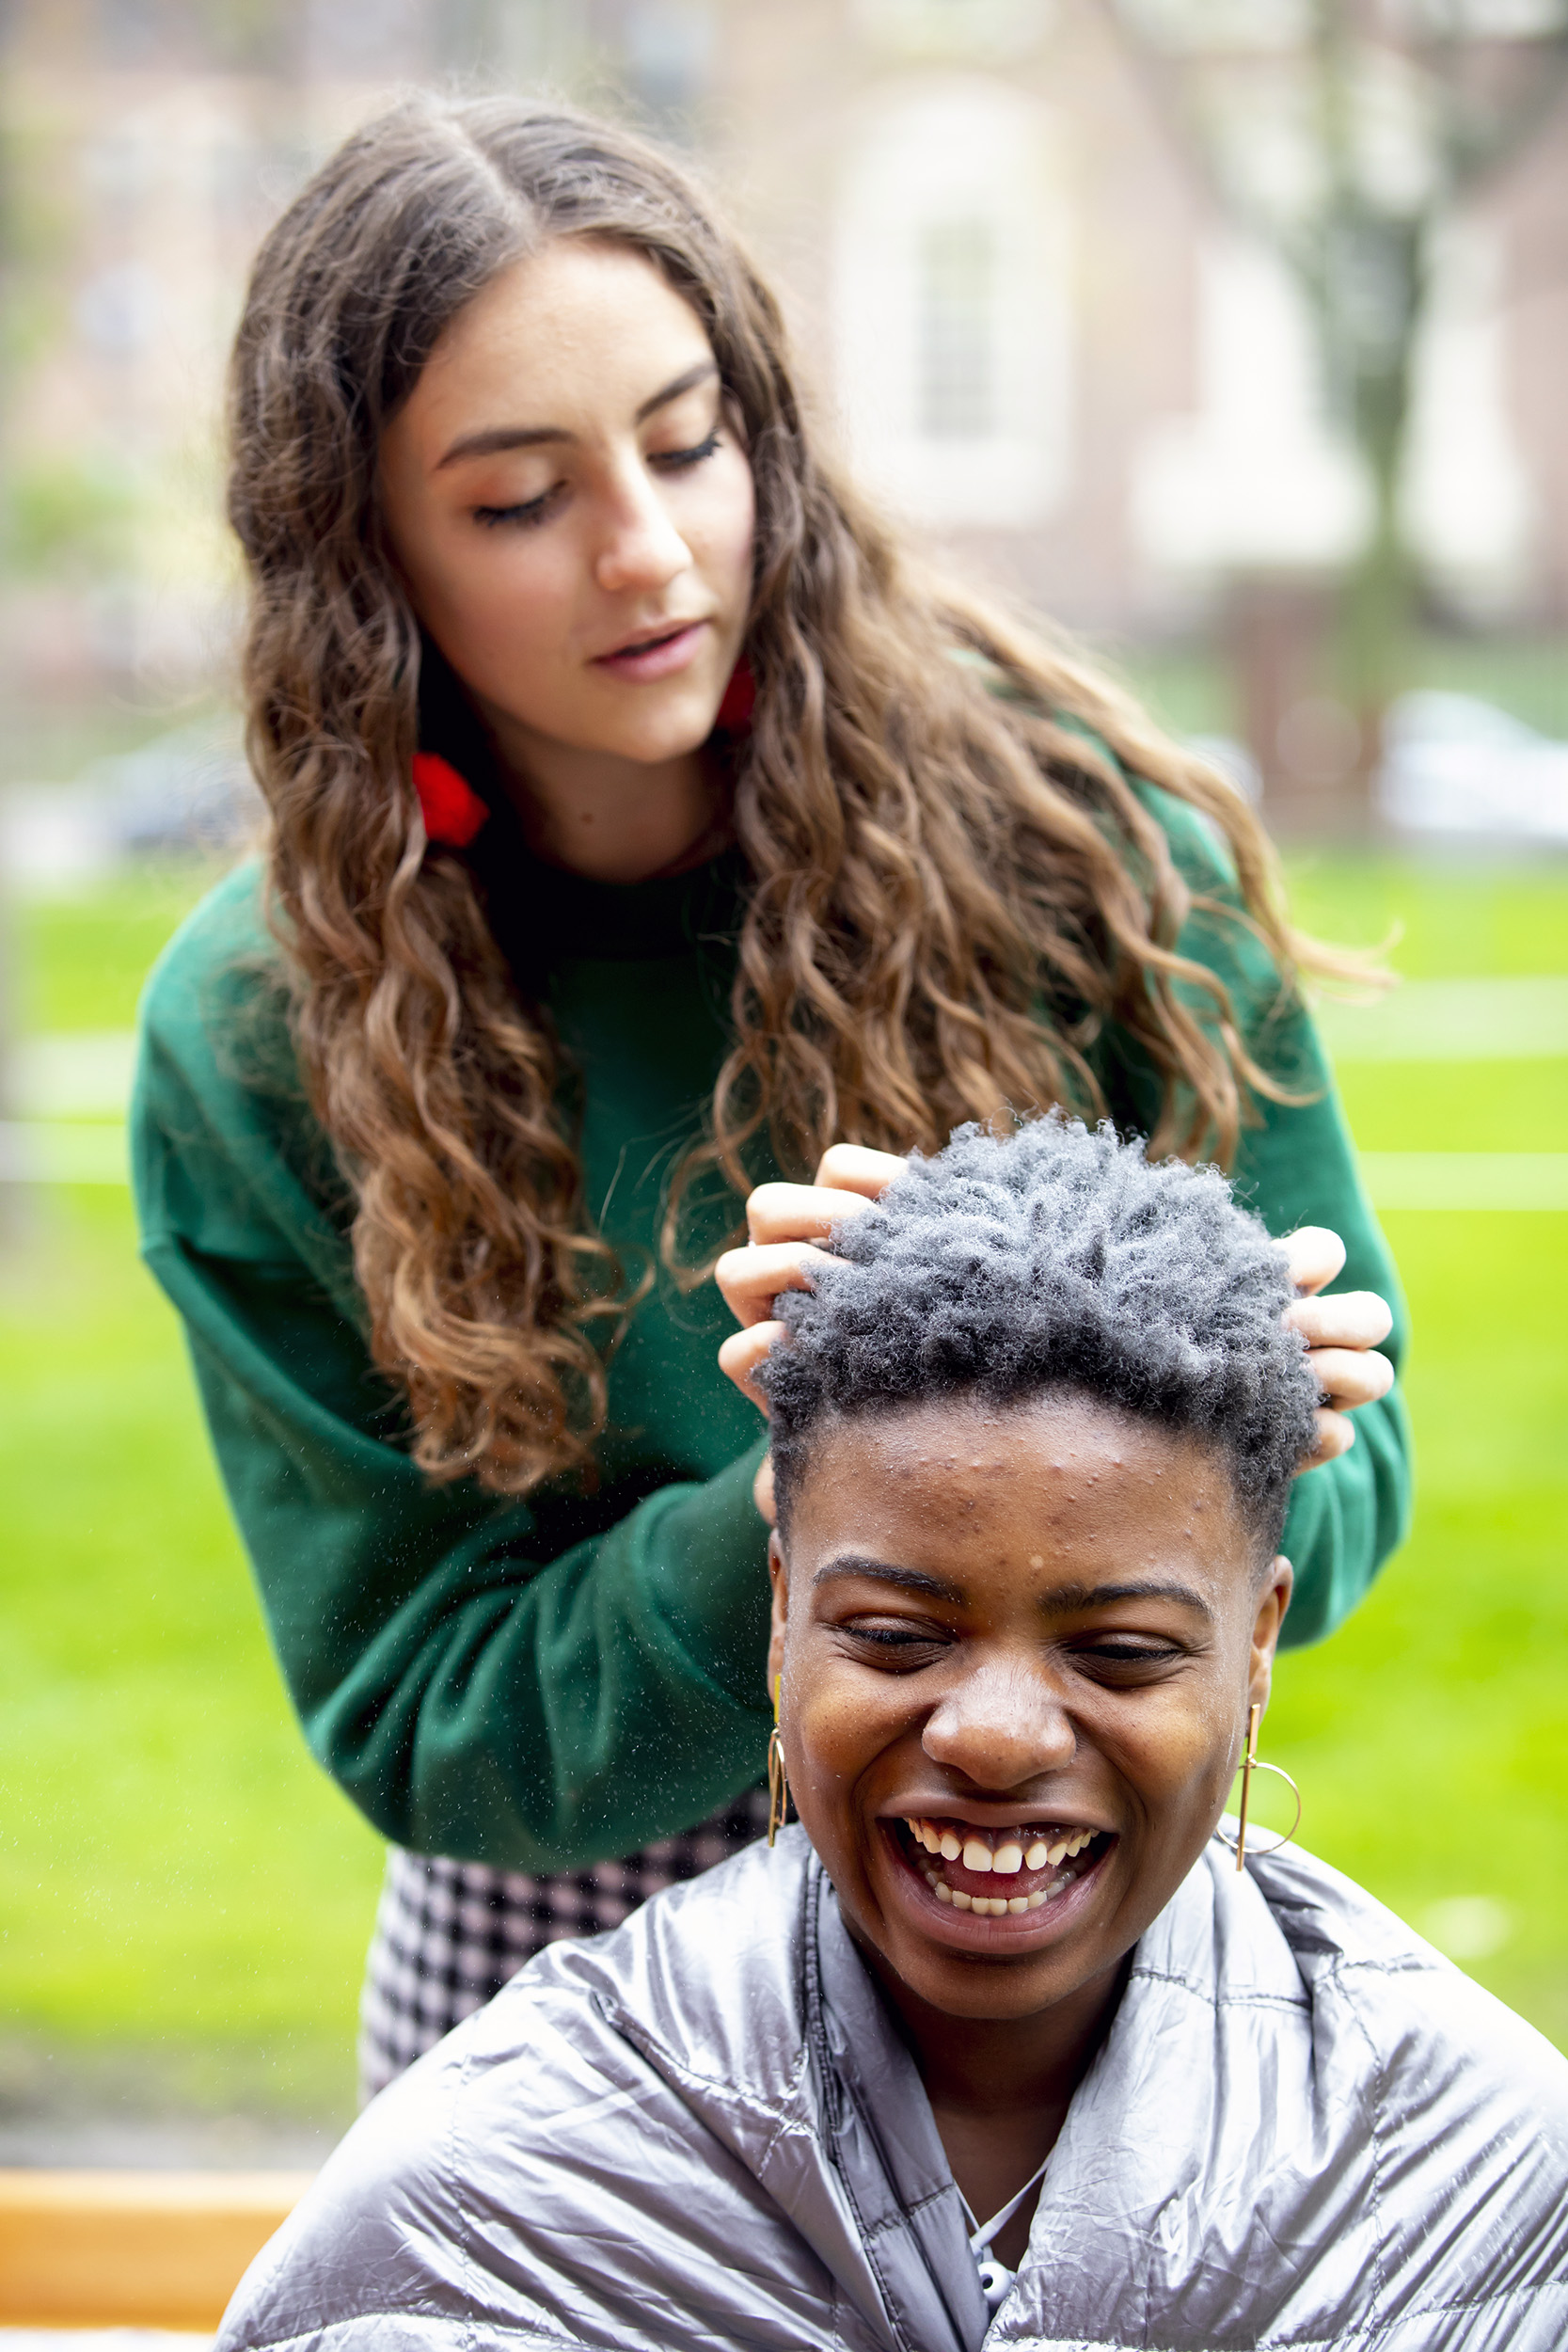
pixel 640 548
pixel 1003 1726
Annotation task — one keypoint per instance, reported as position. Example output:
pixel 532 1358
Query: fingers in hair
pixel 750 1279
pixel 1314 1256
pixel 1349 1377
pixel 855 1167
pixel 800 1212
pixel 742 1354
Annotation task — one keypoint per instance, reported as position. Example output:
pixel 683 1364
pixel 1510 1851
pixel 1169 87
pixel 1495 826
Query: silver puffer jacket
pixel 1305 2129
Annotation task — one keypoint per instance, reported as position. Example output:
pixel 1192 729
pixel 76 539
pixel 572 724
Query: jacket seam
pixel 816 2040
pixel 1291 2004
pixel 1379 2079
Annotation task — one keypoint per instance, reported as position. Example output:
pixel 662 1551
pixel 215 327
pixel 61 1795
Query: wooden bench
pixel 133 2250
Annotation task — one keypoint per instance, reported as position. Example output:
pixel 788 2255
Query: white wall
pixel 952 309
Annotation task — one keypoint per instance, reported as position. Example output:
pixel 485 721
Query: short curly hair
pixel 1055 1258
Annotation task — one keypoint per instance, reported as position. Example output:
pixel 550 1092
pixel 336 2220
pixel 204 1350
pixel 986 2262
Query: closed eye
pixel 1117 1658
pixel 534 511
pixel 676 460
pixel 892 1649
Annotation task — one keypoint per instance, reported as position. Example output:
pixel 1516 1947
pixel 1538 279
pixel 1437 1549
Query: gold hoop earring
pixel 1252 1762
pixel 777 1785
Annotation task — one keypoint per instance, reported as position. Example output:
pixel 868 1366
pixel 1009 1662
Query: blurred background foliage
pixel 68 518
pixel 1128 410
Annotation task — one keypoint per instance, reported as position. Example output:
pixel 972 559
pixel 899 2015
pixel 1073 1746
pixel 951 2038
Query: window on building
pixel 958 331
pixel 953 308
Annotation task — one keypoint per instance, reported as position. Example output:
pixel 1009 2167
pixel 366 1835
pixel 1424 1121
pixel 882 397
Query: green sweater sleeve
pixel 537 1685
pixel 1296 1166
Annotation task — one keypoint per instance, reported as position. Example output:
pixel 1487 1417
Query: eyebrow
pixel 1068 1597
pixel 1062 1602
pixel 492 439
pixel 880 1572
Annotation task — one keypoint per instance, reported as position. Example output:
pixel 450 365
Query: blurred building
pixel 1040 337
pixel 1049 341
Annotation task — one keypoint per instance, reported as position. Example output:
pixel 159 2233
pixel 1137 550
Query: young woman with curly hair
pixel 643 823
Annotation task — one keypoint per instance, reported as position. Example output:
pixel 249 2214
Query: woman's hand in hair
pixel 1342 1336
pixel 787 1224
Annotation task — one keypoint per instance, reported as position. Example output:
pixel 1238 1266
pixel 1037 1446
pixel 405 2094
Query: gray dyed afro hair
pixel 1055 1258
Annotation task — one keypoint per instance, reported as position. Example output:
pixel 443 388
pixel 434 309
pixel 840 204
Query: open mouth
pixel 655 656
pixel 998 1873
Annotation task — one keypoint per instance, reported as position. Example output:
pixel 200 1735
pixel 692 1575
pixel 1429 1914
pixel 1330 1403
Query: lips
pixel 1013 1873
pixel 654 654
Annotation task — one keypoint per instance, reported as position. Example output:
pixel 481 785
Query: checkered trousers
pixel 448 1935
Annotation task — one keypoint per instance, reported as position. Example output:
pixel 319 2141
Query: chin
pixel 651 739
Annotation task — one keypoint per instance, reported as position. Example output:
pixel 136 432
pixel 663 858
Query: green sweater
pixel 541 1684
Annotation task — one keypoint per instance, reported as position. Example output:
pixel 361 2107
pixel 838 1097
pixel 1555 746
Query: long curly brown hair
pixel 951 895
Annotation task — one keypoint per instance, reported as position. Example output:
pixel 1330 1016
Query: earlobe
pixel 778 1570
pixel 1272 1605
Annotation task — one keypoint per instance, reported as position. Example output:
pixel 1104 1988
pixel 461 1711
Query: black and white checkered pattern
pixel 448 1935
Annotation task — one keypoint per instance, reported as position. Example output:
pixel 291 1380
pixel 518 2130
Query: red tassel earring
pixel 453 810
pixel 740 699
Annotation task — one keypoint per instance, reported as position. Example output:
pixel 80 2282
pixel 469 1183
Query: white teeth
pixel 1007 1859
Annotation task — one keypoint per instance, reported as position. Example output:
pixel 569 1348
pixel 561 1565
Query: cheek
pixel 507 605
pixel 533 580
pixel 1177 1754
pixel 833 1735
pixel 721 525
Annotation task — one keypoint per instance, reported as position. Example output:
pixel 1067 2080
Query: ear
pixel 1273 1603
pixel 778 1570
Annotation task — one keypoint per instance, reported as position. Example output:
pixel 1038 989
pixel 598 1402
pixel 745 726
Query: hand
pixel 785 1222
pixel 1342 1334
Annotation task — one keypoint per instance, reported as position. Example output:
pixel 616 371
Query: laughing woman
pixel 1001 2044
pixel 641 825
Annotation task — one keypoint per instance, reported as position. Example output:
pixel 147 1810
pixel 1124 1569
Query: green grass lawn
pixel 177 1878
pixel 176 1875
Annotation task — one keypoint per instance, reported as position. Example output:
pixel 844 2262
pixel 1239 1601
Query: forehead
pixel 1051 1488
pixel 578 321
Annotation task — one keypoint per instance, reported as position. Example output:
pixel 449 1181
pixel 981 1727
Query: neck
pixel 1000 2087
pixel 984 2065
pixel 611 819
